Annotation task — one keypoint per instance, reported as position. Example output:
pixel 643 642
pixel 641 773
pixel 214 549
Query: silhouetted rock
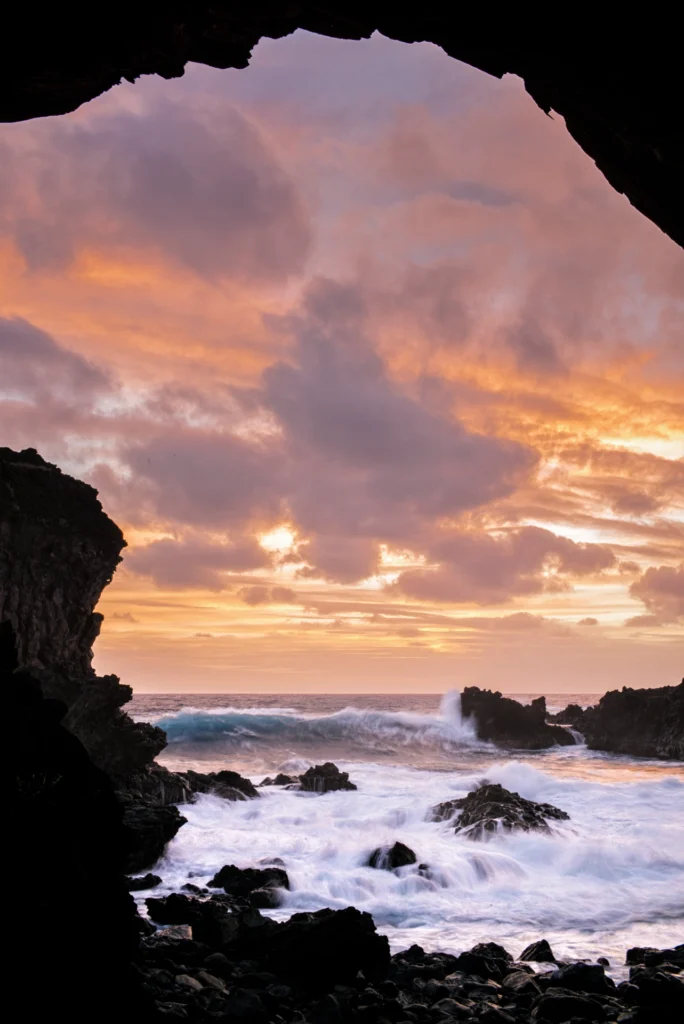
pixel 58 550
pixel 325 778
pixel 651 957
pixel 572 715
pixel 581 977
pixel 538 952
pixel 242 881
pixel 491 808
pixel 390 857
pixel 148 881
pixel 67 837
pixel 557 1007
pixel 642 723
pixel 508 723
pixel 280 780
pixel 149 829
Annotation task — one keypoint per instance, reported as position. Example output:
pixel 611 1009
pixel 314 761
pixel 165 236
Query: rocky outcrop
pixel 58 550
pixel 280 780
pixel 387 858
pixel 508 723
pixel 325 778
pixel 538 952
pixel 642 723
pixel 616 85
pixel 491 808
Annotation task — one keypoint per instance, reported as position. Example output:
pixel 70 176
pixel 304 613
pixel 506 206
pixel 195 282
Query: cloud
pixel 588 621
pixel 35 368
pixel 124 617
pixel 195 562
pixel 484 569
pixel 662 591
pixel 196 184
pixel 259 594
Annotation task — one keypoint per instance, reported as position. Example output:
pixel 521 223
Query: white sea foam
pixel 610 877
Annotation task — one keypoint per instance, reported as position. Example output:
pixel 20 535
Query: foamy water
pixel 610 877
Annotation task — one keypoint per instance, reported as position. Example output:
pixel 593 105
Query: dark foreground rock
pixel 491 808
pixel 507 723
pixel 325 778
pixel 641 723
pixel 388 858
pixel 65 834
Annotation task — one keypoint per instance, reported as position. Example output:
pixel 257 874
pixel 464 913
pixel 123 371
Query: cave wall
pixel 615 78
pixel 58 551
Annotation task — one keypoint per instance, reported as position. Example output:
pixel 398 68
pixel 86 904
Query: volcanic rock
pixel 148 881
pixel 538 952
pixel 280 780
pixel 641 723
pixel 491 808
pixel 325 778
pixel 581 977
pixel 242 881
pixel 390 857
pixel 149 829
pixel 508 723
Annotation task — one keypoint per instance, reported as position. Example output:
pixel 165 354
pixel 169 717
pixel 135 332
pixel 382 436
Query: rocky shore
pixel 89 807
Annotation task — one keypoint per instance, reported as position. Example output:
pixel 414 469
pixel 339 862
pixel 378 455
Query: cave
pixel 615 79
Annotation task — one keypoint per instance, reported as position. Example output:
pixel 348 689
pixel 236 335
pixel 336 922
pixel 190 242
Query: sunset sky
pixel 381 379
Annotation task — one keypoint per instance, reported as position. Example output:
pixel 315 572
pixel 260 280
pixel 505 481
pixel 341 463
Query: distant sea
pixel 609 878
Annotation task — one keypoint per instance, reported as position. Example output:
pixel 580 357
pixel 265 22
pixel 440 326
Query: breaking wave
pixel 235 728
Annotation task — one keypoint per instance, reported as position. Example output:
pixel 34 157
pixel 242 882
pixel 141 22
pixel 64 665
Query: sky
pixel 381 379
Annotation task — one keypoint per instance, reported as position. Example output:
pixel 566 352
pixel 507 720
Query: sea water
pixel 609 878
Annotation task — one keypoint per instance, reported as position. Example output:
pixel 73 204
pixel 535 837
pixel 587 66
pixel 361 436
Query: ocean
pixel 609 878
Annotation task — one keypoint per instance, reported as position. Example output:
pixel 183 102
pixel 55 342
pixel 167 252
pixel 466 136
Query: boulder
pixel 491 808
pixel 538 952
pixel 508 723
pixel 148 881
pixel 581 977
pixel 651 957
pixel 149 829
pixel 572 715
pixel 388 858
pixel 242 881
pixel 325 778
pixel 641 723
pixel 557 1006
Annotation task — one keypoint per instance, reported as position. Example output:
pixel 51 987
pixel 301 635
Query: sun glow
pixel 279 540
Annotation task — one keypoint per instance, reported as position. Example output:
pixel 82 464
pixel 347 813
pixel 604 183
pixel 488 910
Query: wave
pixel 235 728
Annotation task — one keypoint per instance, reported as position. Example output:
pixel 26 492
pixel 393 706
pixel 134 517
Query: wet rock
pixel 387 858
pixel 149 830
pixel 148 881
pixel 642 723
pixel 245 1005
pixel 571 715
pixel 538 952
pixel 280 780
pixel 557 1006
pixel 243 881
pixel 227 784
pixel 659 990
pixel 581 977
pixel 651 957
pixel 325 778
pixel 491 808
pixel 508 723
pixel 265 898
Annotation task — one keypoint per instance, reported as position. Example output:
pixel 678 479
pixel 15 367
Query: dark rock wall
pixel 615 80
pixel 642 723
pixel 58 550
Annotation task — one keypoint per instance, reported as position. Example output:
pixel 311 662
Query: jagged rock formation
pixel 325 778
pixel 642 723
pixel 615 82
pixel 387 858
pixel 491 808
pixel 58 551
pixel 507 723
